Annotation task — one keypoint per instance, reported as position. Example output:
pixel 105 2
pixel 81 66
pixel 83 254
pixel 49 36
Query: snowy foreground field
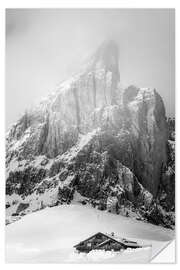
pixel 48 236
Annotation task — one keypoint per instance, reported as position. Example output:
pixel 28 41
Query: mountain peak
pixel 107 57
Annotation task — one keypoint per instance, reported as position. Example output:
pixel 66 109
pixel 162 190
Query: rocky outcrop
pixel 147 120
pixel 93 137
pixel 22 207
pixel 171 128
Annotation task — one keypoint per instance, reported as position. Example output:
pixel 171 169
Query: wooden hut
pixel 101 241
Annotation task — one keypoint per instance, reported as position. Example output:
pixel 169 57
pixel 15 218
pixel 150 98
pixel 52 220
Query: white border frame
pixel 78 4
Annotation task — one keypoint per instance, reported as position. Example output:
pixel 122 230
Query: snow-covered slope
pixel 49 235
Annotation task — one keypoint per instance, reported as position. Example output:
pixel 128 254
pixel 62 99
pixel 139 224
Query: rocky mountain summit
pixel 93 138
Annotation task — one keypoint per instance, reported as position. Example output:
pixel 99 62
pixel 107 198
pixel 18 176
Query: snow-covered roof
pixel 123 241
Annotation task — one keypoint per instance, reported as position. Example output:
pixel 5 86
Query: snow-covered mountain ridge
pixel 91 136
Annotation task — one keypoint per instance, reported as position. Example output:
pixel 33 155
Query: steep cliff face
pixel 166 193
pixel 90 136
pixel 148 125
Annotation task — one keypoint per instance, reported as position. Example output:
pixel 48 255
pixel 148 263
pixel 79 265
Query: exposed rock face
pixel 92 137
pixel 171 128
pixel 147 119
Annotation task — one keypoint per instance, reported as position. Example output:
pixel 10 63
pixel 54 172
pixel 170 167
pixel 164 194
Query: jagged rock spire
pixel 106 57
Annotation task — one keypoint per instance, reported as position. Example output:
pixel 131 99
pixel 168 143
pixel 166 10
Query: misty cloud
pixel 45 46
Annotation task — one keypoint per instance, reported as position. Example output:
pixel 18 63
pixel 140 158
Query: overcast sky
pixel 45 46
